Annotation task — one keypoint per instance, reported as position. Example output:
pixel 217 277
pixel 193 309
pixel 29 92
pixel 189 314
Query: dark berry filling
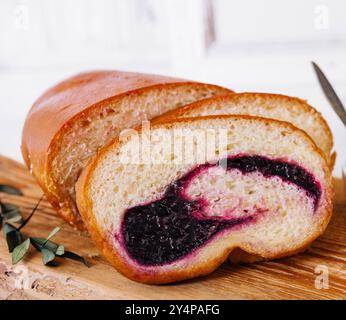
pixel 168 229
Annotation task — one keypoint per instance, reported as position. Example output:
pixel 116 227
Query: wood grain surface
pixel 289 278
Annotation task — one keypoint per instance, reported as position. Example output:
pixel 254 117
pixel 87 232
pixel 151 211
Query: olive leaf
pixel 76 257
pixel 60 251
pixel 40 243
pixel 53 233
pixel 10 212
pixel 51 245
pixel 10 190
pixel 47 255
pixel 20 251
pixel 13 237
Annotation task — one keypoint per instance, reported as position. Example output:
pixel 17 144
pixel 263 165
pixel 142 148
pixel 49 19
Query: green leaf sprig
pixel 18 243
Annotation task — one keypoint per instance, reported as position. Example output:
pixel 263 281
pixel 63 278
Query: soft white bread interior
pixel 83 113
pixel 162 207
pixel 275 106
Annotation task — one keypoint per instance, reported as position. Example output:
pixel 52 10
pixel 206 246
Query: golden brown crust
pixel 234 97
pixel 56 110
pixel 85 208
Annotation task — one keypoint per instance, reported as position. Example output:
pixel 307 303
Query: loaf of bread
pixel 175 202
pixel 69 122
pixel 275 106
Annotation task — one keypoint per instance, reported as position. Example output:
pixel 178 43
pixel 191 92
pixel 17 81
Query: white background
pixel 248 45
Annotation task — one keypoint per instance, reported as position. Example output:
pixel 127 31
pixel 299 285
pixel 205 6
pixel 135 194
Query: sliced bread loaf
pixel 275 106
pixel 69 122
pixel 173 202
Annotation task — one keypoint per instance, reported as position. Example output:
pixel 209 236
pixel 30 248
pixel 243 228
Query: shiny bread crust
pixel 245 253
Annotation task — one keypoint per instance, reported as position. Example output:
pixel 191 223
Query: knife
pixel 330 93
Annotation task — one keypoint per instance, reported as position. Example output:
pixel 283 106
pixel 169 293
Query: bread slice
pixel 81 114
pixel 275 106
pixel 173 202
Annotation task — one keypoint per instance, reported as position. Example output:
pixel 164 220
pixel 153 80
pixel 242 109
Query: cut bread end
pixel 203 188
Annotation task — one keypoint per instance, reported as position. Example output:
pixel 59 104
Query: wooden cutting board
pixel 290 278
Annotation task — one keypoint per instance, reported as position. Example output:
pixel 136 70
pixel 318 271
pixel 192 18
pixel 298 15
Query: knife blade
pixel 330 93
